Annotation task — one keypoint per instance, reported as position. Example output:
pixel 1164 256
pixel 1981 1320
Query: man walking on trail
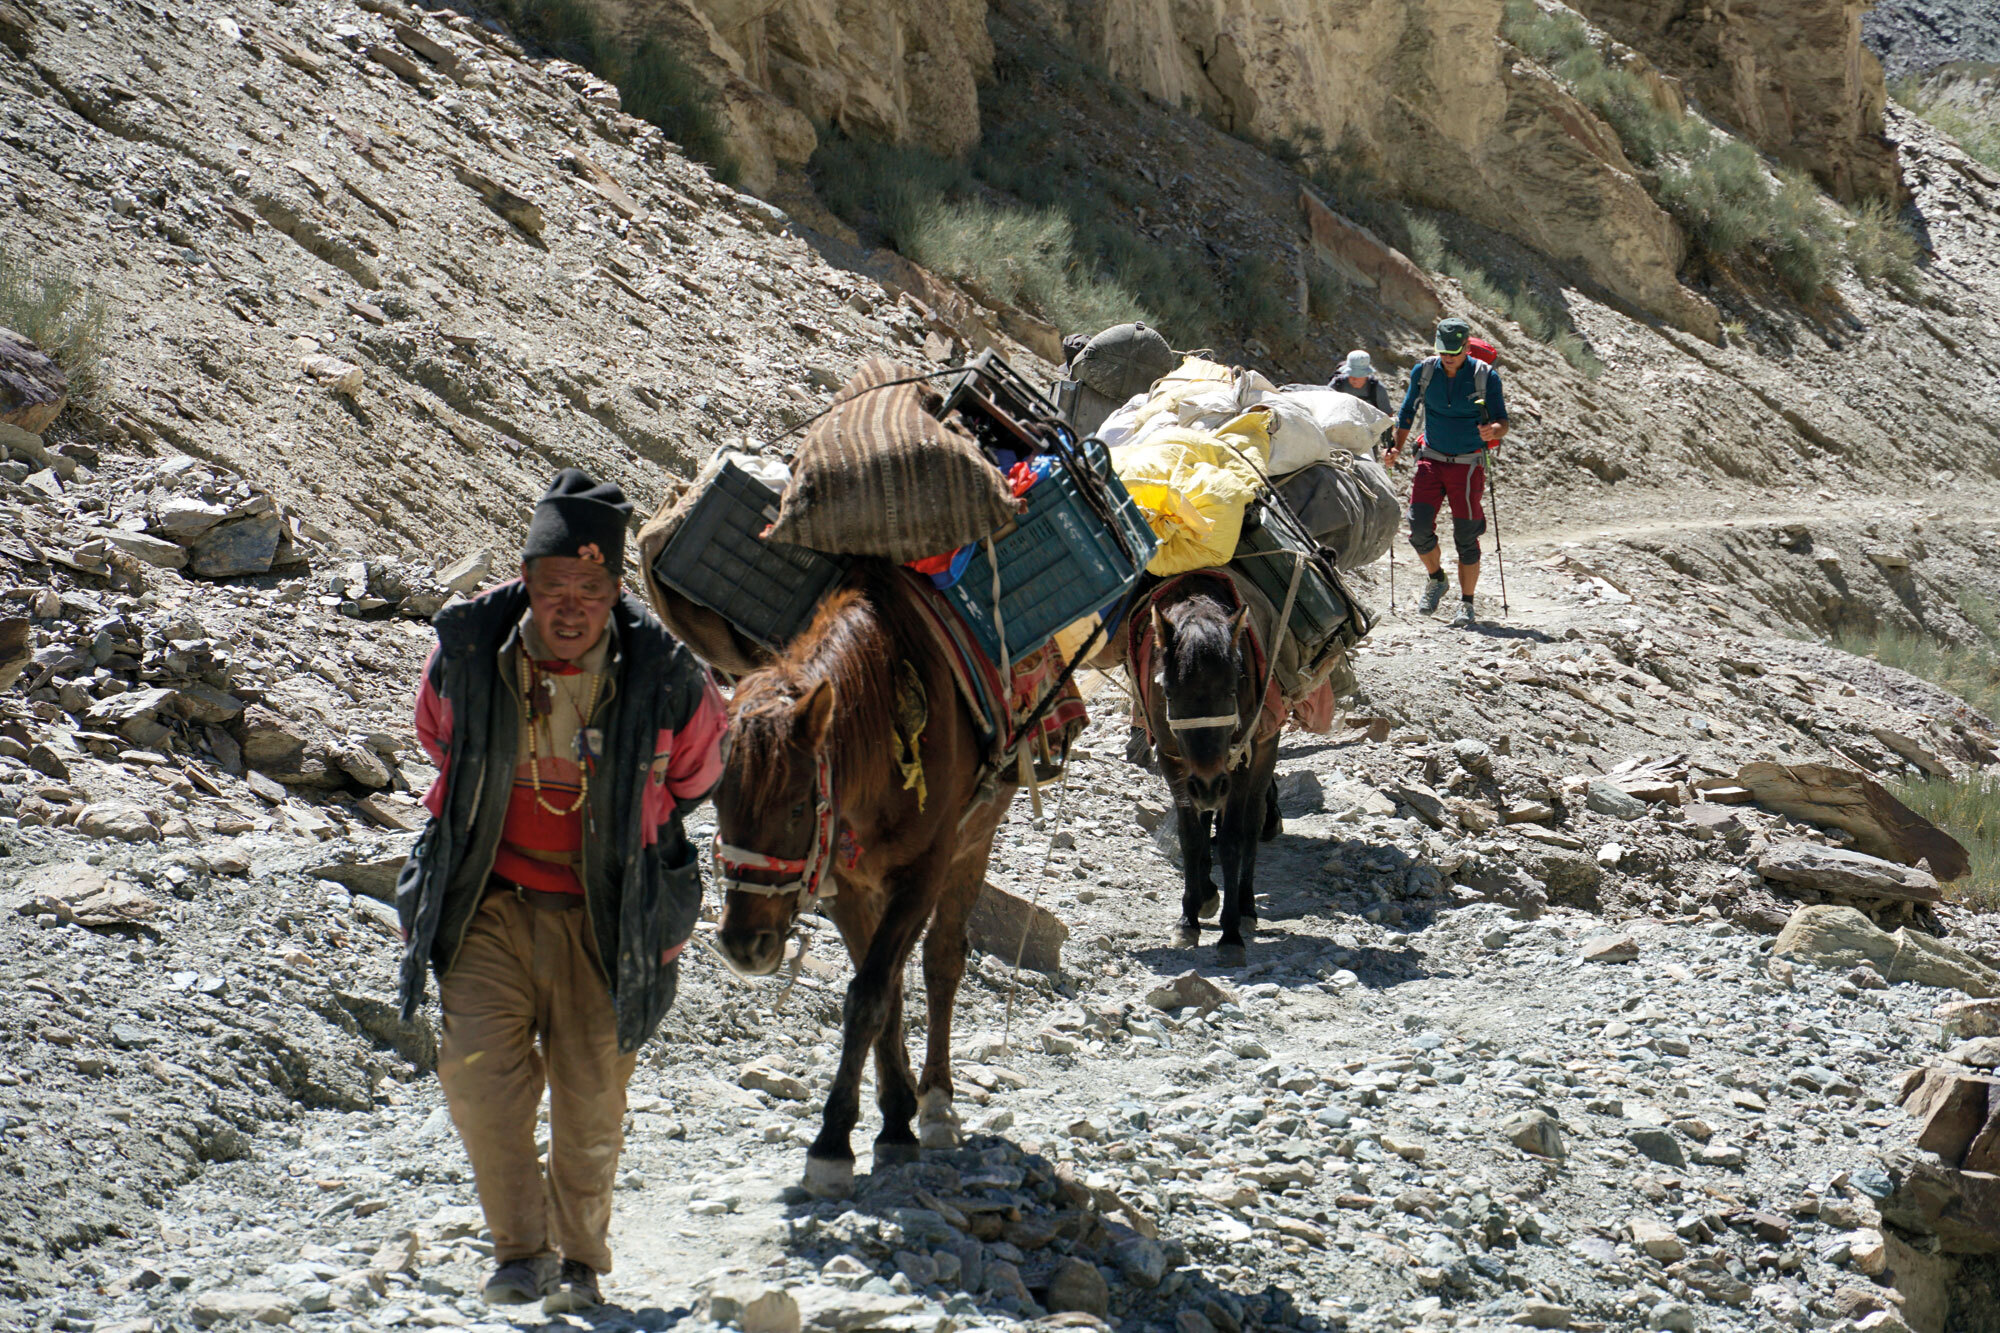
pixel 1464 416
pixel 554 887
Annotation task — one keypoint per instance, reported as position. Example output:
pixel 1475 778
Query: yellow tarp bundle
pixel 1193 486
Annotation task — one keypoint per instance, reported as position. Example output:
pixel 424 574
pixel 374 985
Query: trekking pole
pixel 1493 494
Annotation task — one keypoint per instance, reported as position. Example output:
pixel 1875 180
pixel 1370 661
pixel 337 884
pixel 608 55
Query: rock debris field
pixel 1518 1044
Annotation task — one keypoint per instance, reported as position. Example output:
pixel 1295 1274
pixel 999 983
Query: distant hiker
pixel 554 887
pixel 1464 415
pixel 1358 377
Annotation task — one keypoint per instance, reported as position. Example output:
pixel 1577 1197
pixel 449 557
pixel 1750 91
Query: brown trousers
pixel 526 973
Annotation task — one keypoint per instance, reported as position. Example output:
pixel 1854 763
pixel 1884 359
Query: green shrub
pixel 1427 247
pixel 1024 258
pixel 1969 670
pixel 1879 246
pixel 48 305
pixel 1720 194
pixel 1803 241
pixel 654 81
pixel 1969 810
pixel 661 87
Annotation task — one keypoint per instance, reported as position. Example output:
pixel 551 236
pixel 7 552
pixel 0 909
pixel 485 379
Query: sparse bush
pixel 48 305
pixel 1969 810
pixel 1879 246
pixel 1803 241
pixel 655 82
pixel 1720 195
pixel 1024 258
pixel 661 87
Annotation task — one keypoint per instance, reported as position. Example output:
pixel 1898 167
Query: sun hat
pixel 1452 334
pixel 1359 366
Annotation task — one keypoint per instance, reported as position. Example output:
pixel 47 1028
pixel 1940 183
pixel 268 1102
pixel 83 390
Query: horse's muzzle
pixel 1207 794
pixel 752 953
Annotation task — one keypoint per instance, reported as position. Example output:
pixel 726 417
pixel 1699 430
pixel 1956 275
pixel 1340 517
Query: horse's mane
pixel 853 643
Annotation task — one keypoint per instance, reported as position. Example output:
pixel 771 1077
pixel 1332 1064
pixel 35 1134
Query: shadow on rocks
pixel 991 1231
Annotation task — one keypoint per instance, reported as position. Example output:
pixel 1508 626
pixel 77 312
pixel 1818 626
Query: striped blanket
pixel 998 708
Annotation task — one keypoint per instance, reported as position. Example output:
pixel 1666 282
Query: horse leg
pixel 830 1160
pixel 895 1086
pixel 944 967
pixel 1196 888
pixel 1237 836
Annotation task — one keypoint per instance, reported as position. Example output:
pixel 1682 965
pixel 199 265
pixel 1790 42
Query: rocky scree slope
pixel 1914 37
pixel 1435 1094
pixel 523 276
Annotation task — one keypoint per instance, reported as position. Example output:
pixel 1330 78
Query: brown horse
pixel 812 784
pixel 1201 682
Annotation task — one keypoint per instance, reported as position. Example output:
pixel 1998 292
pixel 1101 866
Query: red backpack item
pixel 1481 350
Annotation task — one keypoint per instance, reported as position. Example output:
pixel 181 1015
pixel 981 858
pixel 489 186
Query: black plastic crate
pixel 1059 564
pixel 1000 408
pixel 1266 555
pixel 768 590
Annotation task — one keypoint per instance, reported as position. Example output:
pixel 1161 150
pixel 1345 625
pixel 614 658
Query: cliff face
pixel 1427 93
pixel 905 70
pixel 1791 76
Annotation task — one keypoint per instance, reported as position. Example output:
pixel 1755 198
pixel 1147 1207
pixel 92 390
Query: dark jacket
pixel 641 885
pixel 1374 393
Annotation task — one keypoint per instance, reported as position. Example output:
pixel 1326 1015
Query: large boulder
pixel 1371 263
pixel 33 387
pixel 1842 798
pixel 1829 936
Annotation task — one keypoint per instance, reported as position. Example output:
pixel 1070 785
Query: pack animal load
pixel 1023 528
pixel 1315 442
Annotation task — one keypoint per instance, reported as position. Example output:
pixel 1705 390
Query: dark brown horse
pixel 1201 682
pixel 813 808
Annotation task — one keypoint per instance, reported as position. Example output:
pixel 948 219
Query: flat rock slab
pixel 83 895
pixel 1849 874
pixel 371 879
pixel 1961 1209
pixel 1841 798
pixel 995 926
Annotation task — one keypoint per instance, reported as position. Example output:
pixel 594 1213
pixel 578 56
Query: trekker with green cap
pixel 1465 414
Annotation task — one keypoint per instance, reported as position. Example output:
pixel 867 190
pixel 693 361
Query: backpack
pixel 1482 369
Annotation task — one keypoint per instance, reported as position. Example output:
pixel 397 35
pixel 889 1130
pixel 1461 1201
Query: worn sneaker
pixel 1463 617
pixel 1433 594
pixel 575 1292
pixel 519 1281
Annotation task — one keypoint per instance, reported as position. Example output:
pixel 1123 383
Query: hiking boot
pixel 1463 617
pixel 1433 594
pixel 519 1281
pixel 1139 748
pixel 575 1292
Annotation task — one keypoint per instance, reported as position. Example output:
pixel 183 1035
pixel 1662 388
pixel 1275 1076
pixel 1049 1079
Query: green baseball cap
pixel 1452 335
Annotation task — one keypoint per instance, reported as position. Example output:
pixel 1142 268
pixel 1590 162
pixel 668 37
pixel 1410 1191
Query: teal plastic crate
pixel 1266 555
pixel 1059 564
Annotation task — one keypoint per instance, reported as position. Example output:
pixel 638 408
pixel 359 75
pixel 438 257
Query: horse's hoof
pixel 829 1177
pixel 1231 955
pixel 1187 935
pixel 895 1154
pixel 937 1123
pixel 1210 906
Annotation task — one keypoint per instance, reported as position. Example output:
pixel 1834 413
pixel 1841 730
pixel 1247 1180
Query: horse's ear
pixel 813 716
pixel 1239 625
pixel 1161 626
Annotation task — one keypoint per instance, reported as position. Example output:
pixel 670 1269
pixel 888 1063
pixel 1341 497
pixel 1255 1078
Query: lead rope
pixel 1035 903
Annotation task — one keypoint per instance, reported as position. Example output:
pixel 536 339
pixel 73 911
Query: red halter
pixel 808 871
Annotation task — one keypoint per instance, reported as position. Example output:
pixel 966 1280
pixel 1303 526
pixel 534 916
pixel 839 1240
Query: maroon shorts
pixel 1461 484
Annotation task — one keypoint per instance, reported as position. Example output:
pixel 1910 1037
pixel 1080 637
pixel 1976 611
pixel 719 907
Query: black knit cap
pixel 580 517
